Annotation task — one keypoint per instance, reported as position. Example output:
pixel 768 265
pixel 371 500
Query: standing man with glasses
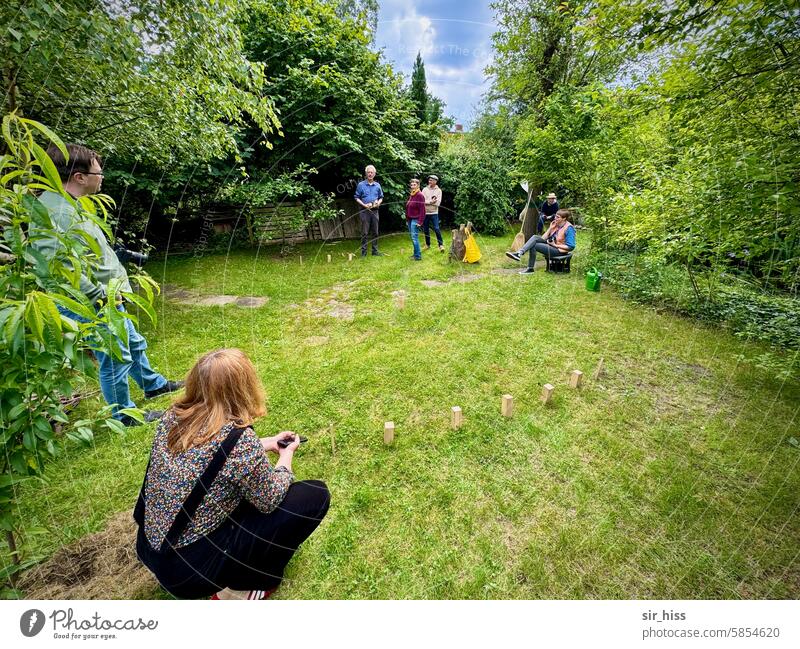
pixel 433 198
pixel 83 175
pixel 369 196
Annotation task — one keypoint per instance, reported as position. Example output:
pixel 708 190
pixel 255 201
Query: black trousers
pixel 369 228
pixel 249 551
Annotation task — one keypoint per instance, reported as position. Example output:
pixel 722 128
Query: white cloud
pixel 404 31
pixel 456 50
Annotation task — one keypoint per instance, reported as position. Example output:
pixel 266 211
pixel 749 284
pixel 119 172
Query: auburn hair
pixel 222 387
pixel 565 214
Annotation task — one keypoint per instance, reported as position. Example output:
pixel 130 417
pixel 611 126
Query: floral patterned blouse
pixel 247 473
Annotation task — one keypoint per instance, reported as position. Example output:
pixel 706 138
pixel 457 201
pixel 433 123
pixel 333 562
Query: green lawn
pixel 671 476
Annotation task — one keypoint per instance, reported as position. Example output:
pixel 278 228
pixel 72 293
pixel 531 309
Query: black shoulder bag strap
pixel 195 497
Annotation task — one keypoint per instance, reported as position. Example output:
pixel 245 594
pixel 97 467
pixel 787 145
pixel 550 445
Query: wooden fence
pixel 278 223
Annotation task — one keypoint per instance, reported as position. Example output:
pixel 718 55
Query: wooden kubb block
pixel 388 432
pixel 349 256
pixel 507 405
pixel 575 379
pixel 456 417
pixel 547 393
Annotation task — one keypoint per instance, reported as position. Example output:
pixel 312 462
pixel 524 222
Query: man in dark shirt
pixel 548 211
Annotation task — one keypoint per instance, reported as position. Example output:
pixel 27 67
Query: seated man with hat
pixel 548 211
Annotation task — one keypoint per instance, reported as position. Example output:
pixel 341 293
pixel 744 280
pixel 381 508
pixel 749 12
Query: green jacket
pixel 66 217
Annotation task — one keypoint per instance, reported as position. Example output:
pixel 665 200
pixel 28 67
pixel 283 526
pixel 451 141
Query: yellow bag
pixel 473 253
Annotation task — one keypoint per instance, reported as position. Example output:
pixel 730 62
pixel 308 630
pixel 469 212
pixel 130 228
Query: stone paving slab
pixel 185 296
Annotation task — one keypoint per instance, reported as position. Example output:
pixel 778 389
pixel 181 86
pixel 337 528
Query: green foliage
pixel 730 300
pixel 348 107
pixel 153 81
pixel 539 48
pixel 477 168
pixel 694 163
pixel 419 89
pixel 42 353
pixel 288 187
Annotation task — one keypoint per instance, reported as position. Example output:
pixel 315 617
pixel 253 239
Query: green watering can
pixel 593 277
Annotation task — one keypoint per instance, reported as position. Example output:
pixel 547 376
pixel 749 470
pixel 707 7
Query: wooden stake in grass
pixel 599 369
pixel 547 393
pixel 301 260
pixel 400 301
pixel 575 379
pixel 349 256
pixel 456 417
pixel 388 432
pixel 507 406
pixel 329 259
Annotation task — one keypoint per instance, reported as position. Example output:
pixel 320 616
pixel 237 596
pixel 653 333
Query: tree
pixel 419 89
pixel 153 81
pixel 360 10
pixel 42 353
pixel 343 107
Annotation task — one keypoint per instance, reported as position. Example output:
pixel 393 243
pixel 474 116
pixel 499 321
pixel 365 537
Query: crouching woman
pixel 215 516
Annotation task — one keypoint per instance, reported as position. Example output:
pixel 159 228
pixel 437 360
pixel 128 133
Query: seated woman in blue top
pixel 558 240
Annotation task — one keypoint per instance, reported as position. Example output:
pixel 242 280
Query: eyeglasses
pixel 90 173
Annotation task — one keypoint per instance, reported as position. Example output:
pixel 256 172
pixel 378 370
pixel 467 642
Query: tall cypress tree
pixel 419 89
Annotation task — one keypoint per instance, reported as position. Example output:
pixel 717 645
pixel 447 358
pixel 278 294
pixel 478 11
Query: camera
pixel 129 256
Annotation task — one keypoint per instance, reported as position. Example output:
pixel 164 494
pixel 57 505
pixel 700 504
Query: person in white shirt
pixel 433 198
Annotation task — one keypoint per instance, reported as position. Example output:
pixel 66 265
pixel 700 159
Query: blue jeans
pixel 540 223
pixel 413 228
pixel 114 373
pixel 432 219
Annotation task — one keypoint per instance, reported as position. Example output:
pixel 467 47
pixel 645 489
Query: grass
pixel 669 477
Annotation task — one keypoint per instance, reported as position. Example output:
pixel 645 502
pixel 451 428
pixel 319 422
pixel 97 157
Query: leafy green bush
pixel 723 298
pixel 477 168
pixel 44 354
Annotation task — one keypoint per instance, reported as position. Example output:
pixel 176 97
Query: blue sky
pixel 454 37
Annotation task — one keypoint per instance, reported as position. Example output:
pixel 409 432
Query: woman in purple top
pixel 415 216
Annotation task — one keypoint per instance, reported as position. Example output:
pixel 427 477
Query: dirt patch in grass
pixel 464 278
pixel 184 296
pixel 332 302
pixel 316 341
pixel 98 566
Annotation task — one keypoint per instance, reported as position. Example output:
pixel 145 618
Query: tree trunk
pixel 12 547
pixel 531 218
pixel 10 85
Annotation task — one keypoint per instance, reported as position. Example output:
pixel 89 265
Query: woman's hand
pixel 271 443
